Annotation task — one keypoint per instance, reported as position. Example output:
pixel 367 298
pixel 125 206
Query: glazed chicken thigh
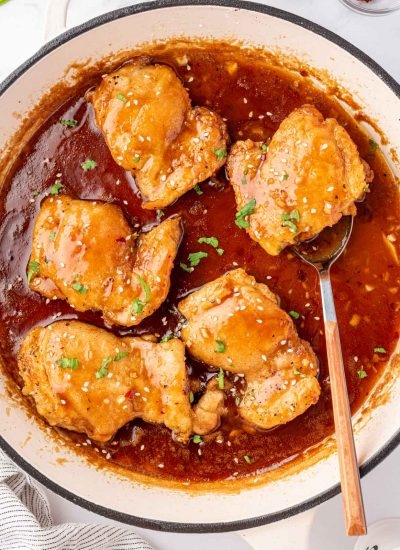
pixel 152 130
pixel 85 379
pixel 84 252
pixel 307 179
pixel 236 324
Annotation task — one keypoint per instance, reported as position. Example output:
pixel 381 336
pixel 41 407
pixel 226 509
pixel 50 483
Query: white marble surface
pixel 21 33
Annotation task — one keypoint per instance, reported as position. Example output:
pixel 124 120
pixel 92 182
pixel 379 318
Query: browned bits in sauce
pixel 254 98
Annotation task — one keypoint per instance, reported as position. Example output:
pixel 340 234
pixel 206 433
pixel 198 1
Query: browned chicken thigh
pixel 85 379
pixel 305 180
pixel 151 129
pixel 84 252
pixel 236 324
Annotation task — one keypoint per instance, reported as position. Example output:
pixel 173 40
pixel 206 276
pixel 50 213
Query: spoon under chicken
pixel 236 324
pixel 306 179
pixel 86 253
pixel 151 129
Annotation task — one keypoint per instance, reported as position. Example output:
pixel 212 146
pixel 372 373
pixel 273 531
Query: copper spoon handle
pixel 349 473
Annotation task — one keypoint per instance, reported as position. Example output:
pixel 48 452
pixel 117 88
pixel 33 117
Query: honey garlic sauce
pixel 253 97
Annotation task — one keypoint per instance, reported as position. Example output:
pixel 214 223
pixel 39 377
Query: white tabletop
pixel 21 32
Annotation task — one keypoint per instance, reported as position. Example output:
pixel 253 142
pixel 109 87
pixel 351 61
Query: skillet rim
pixel 218 527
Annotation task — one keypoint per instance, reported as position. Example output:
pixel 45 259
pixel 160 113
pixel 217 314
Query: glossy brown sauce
pixel 254 98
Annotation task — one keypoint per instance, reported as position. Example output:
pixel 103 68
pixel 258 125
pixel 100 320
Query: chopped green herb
pixel 145 287
pixel 264 148
pixel 247 210
pixel 69 122
pixel 68 363
pixel 220 153
pixel 221 379
pixel 198 189
pixel 89 164
pixel 160 214
pixel 186 268
pixel 294 314
pixel 373 145
pixel 285 176
pixel 296 371
pixel 137 306
pixel 103 370
pixel 244 180
pixel 52 236
pixel 191 397
pixel 221 346
pixel 362 374
pixel 121 355
pixel 287 220
pixel 220 251
pixel 197 439
pixel 237 401
pixel 195 257
pixel 167 337
pixel 213 241
pixel 3 2
pixel 79 287
pixel 33 269
pixel 366 188
pixel 121 98
pixel 35 193
pixel 136 158
pixel 55 188
pixel 379 350
pixel 247 459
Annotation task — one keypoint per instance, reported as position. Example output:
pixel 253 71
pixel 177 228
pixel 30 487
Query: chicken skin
pixel 85 379
pixel 151 129
pixel 236 324
pixel 306 180
pixel 84 252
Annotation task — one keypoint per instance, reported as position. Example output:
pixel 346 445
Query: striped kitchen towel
pixel 26 524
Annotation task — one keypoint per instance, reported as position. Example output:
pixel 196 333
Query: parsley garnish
pixel 244 180
pixel 33 269
pixel 379 350
pixel 79 287
pixel 247 459
pixel 197 439
pixel 220 251
pixel 362 374
pixel 121 355
pixel 167 337
pixel 186 268
pixel 52 236
pixel 285 176
pixel 373 145
pixel 68 363
pixel 220 378
pixel 264 148
pixel 55 188
pixel 220 153
pixel 289 219
pixel 296 371
pixel 213 241
pixel 89 164
pixel 35 193
pixel 137 306
pixel 191 397
pixel 195 257
pixel 160 214
pixel 121 98
pixel 198 189
pixel 69 122
pixel 103 370
pixel 294 314
pixel 247 210
pixel 145 287
pixel 136 158
pixel 237 401
pixel 221 346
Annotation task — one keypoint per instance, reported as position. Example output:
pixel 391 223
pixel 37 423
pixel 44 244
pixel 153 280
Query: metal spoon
pixel 321 253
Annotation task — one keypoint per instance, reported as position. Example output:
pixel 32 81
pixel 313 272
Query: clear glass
pixel 373 7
